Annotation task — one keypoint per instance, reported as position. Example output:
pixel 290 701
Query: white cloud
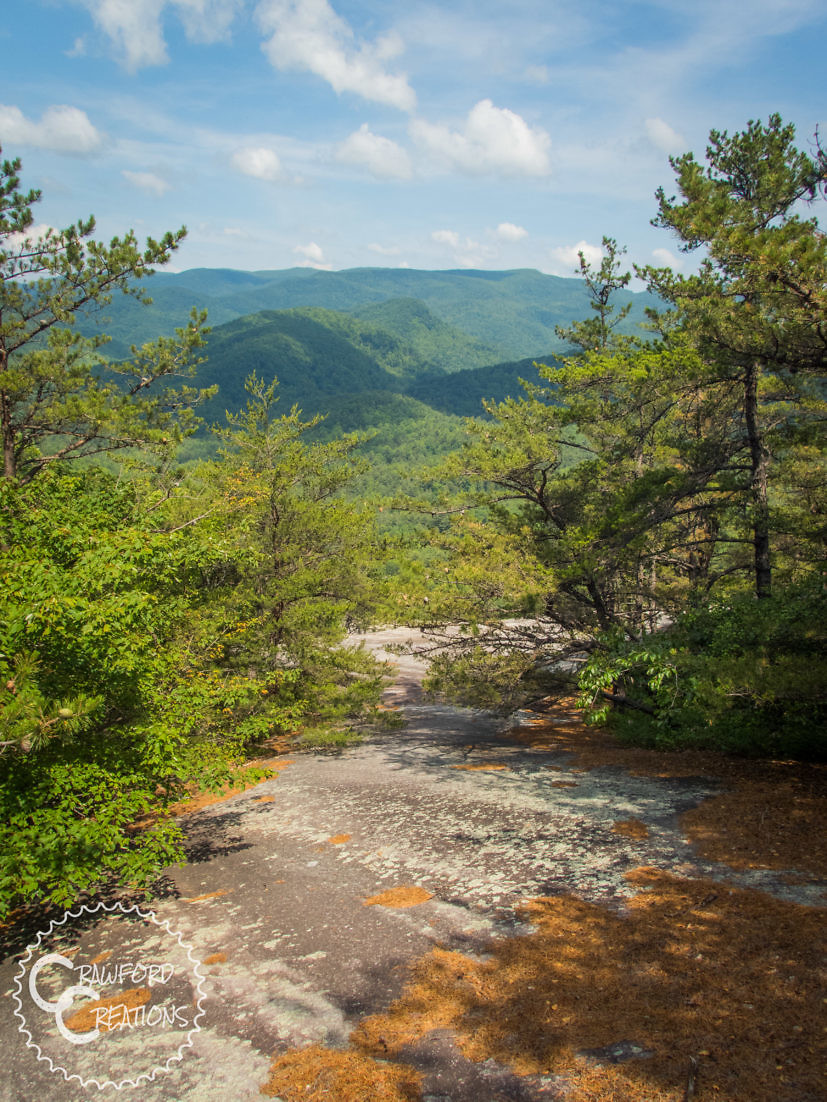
pixel 384 250
pixel 134 27
pixel 446 237
pixel 35 232
pixel 78 48
pixel 207 20
pixel 665 259
pixel 379 155
pixel 663 137
pixel 507 231
pixel 567 258
pixel 493 140
pixel 62 129
pixel 467 252
pixel 313 256
pixel 147 181
pixel 259 162
pixel 309 35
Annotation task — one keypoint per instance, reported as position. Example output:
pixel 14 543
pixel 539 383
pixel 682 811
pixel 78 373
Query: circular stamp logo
pixel 109 996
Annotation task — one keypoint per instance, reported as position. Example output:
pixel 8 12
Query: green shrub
pixel 743 675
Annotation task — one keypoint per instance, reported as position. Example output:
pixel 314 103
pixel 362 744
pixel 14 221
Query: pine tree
pixel 59 399
pixel 757 309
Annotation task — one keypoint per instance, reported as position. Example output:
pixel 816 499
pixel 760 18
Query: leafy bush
pixel 152 635
pixel 743 675
pixel 93 600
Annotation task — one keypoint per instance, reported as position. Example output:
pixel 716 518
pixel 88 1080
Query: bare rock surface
pixel 273 899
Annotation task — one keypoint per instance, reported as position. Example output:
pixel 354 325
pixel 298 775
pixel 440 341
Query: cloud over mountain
pixel 259 162
pixel 308 35
pixel 381 156
pixel 493 140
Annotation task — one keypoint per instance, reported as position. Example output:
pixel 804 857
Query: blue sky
pixel 347 133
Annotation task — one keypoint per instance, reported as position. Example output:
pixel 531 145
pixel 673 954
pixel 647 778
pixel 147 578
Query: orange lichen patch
pixel 264 799
pixel 564 784
pixel 484 767
pixel 215 958
pixel 281 743
pixel 339 839
pixel 206 896
pixel 406 896
pixel 631 828
pixel 108 1013
pixel 101 957
pixel 731 977
pixel 318 1074
pixel 775 822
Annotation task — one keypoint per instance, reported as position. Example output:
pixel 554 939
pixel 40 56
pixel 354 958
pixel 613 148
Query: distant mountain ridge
pixel 512 314
pixel 400 353
pixel 325 360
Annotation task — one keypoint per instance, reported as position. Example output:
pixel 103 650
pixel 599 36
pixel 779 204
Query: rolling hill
pixel 399 353
pixel 510 314
pixel 334 363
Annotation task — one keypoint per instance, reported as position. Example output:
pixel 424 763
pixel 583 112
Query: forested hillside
pixel 324 358
pixel 501 316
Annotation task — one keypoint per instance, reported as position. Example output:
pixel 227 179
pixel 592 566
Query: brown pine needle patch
pixel 564 784
pixel 101 957
pixel 409 895
pixel 241 782
pixel 87 1018
pixel 206 896
pixel 275 763
pixel 776 822
pixel 264 799
pixel 732 977
pixel 562 730
pixel 631 828
pixel 318 1074
pixel 215 958
pixel 772 814
pixel 484 767
pixel 339 839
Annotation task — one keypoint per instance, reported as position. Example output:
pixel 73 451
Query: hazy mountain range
pixel 367 345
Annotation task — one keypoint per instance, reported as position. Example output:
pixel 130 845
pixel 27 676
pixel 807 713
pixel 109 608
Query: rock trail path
pixel 273 897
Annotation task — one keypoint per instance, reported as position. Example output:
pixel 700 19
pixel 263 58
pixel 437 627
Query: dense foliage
pixel 153 635
pixel 157 625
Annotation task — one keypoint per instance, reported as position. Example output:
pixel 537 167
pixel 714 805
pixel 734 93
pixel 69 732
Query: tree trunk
pixel 9 462
pixel 9 465
pixel 759 482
